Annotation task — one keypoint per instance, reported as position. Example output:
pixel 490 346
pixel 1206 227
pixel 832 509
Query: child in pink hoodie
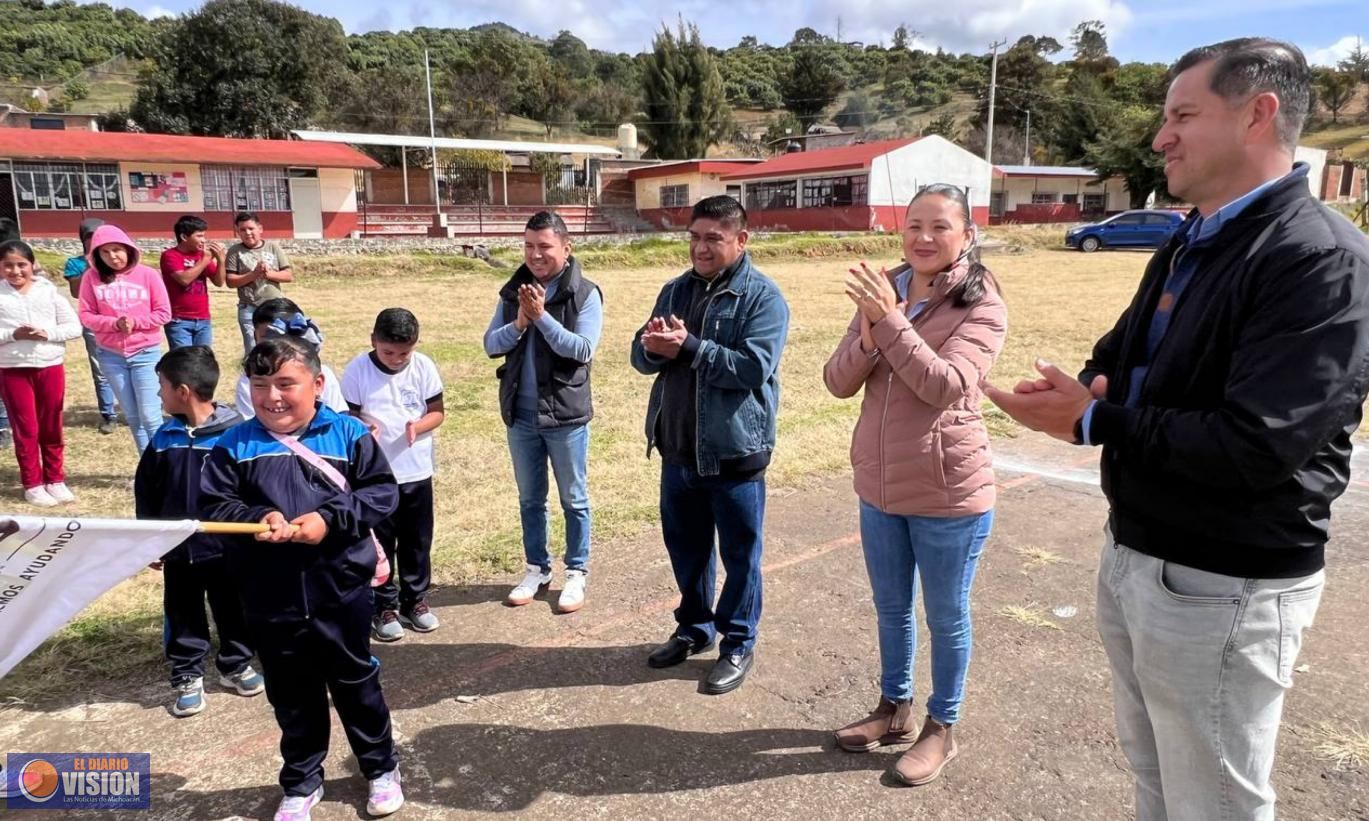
pixel 124 303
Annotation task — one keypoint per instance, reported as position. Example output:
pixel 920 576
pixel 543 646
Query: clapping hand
pixel 1051 404
pixel 532 301
pixel 124 325
pixel 664 336
pixel 873 293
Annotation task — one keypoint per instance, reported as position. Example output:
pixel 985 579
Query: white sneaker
pixel 61 493
pixel 533 583
pixel 573 594
pixel 297 807
pixel 189 698
pixel 39 497
pixel 385 794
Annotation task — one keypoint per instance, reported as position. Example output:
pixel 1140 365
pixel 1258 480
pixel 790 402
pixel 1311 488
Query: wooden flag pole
pixel 233 528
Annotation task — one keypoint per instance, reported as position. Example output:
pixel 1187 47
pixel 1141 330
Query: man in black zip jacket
pixel 1225 398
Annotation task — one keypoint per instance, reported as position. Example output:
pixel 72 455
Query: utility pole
pixel 1027 148
pixel 432 130
pixel 993 87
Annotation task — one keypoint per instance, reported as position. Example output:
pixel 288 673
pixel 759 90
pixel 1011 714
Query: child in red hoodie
pixel 124 303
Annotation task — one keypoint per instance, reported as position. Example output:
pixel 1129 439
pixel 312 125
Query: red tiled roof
pixel 689 167
pixel 825 159
pixel 89 146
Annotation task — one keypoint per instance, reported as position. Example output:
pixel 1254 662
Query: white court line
pixel 1074 475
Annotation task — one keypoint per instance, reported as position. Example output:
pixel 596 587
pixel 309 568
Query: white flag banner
pixel 50 569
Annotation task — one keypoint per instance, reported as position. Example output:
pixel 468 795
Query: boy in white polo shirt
pixel 397 392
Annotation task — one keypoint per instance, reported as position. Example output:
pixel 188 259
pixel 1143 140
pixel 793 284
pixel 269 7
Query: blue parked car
pixel 1129 229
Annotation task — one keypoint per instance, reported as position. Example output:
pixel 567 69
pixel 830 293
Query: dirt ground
pixel 525 711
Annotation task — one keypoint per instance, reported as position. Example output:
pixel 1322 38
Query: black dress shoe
pixel 674 652
pixel 728 673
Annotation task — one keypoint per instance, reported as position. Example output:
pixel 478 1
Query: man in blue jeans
pixel 72 272
pixel 714 342
pixel 546 327
pixel 1225 399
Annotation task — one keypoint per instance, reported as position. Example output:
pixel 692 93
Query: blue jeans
pixel 245 326
pixel 134 379
pixel 568 450
pixel 182 333
pixel 104 394
pixel 943 553
pixel 693 509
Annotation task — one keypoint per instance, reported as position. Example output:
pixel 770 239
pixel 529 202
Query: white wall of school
pixel 898 175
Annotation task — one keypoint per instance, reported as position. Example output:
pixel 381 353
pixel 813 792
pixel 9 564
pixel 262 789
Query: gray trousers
pixel 1200 664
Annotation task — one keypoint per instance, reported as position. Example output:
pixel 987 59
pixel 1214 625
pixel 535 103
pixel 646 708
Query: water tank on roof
pixel 627 141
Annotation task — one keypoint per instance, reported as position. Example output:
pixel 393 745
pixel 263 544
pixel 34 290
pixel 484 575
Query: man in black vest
pixel 1225 399
pixel 546 327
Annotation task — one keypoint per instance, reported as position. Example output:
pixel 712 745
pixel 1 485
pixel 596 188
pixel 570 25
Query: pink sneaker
pixel 386 796
pixel 297 807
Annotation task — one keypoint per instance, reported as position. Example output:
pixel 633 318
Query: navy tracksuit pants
pixel 407 539
pixel 304 662
pixel 186 627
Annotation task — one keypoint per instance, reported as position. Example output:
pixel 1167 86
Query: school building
pixel 51 180
pixel 1027 194
pixel 860 187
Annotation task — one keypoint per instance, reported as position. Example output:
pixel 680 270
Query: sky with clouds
pixel 1148 30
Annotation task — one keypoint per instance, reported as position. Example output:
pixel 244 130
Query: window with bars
pixel 829 192
pixel 67 186
pixel 761 196
pixel 675 196
pixel 1043 197
pixel 245 188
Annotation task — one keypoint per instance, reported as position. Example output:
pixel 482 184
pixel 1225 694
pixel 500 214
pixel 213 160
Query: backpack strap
pixel 306 453
pixel 335 476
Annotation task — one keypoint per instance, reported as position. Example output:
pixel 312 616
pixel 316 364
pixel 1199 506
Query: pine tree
pixel 685 105
pixel 1334 89
pixel 813 82
pixel 1356 63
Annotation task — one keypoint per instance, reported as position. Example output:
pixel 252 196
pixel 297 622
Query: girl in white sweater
pixel 35 322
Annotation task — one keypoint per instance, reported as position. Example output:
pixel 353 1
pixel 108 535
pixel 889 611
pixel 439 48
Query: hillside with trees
pixel 1065 103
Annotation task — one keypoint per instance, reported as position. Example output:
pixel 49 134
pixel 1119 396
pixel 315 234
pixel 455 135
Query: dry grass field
pixel 1059 302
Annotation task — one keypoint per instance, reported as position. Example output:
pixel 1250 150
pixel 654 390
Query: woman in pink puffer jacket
pixel 923 338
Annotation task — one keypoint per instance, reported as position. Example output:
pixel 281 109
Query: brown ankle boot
pixel 890 723
pixel 935 746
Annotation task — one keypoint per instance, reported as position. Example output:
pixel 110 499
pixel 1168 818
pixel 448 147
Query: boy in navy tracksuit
pixel 306 580
pixel 167 486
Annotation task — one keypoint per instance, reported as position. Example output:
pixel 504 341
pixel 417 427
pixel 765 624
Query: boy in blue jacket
pixel 167 486
pixel 319 481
